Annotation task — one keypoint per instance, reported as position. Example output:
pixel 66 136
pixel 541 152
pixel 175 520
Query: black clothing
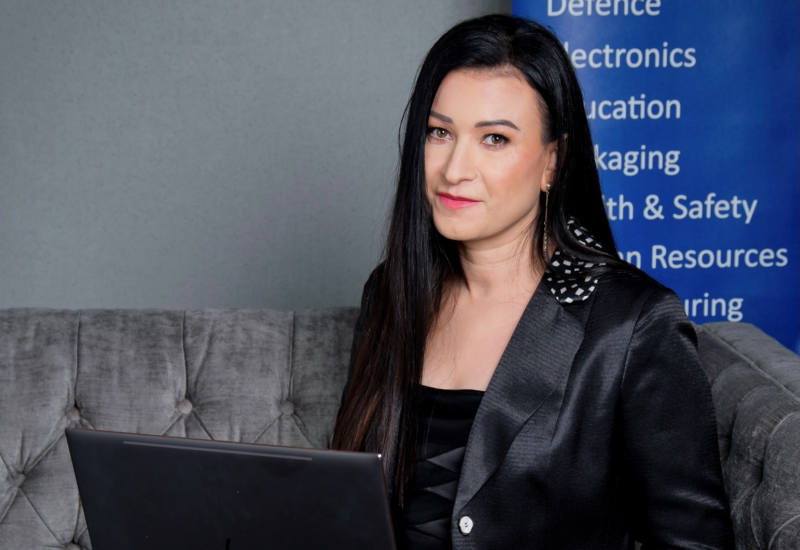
pixel 445 419
pixel 597 427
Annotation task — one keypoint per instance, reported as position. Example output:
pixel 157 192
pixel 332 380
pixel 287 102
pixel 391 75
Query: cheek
pixel 433 167
pixel 513 182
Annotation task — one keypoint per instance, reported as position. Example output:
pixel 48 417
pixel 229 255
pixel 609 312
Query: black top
pixel 445 420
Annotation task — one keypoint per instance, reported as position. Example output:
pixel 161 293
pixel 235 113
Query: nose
pixel 460 163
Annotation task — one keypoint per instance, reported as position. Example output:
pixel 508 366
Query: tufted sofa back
pixel 755 383
pixel 259 375
pixel 276 377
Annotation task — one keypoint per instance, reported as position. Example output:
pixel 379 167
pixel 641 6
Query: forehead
pixel 468 96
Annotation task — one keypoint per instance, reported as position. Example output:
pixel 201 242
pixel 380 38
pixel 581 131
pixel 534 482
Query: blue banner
pixel 695 109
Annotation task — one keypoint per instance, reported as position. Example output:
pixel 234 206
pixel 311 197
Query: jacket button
pixel 465 525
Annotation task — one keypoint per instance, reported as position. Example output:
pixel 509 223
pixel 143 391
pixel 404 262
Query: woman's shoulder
pixel 633 291
pixel 574 280
pixel 375 275
pixel 377 272
pixel 629 281
pixel 369 292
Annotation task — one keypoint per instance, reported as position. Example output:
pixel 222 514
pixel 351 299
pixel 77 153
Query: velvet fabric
pixel 258 376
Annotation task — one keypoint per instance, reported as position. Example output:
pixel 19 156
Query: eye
pixel 438 134
pixel 496 140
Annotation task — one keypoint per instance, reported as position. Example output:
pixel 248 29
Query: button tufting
pixel 287 407
pixel 185 407
pixel 16 479
pixel 74 415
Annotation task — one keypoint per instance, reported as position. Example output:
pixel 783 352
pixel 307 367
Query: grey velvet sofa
pixel 276 377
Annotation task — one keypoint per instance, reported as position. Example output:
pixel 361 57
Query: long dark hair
pixel 378 410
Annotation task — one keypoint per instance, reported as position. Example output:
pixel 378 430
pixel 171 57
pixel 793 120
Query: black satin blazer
pixel 597 427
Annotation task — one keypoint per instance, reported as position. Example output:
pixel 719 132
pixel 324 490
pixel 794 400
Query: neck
pixel 498 273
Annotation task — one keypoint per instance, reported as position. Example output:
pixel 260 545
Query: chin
pixel 455 231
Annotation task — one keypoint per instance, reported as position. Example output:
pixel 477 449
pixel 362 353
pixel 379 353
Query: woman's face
pixel 484 144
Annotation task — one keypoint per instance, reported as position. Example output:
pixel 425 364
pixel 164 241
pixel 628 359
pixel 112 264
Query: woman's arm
pixel 672 475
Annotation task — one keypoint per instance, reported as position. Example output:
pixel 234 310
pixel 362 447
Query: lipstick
pixel 455 202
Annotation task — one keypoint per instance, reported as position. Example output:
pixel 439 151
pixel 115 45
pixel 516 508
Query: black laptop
pixel 172 493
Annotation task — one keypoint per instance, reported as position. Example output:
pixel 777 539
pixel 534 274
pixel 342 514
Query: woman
pixel 526 387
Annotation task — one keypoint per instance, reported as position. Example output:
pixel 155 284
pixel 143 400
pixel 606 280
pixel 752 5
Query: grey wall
pixel 181 154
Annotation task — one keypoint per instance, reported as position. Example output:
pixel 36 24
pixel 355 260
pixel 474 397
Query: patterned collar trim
pixel 566 280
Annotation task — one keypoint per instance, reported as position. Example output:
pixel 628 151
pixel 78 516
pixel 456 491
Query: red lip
pixel 456 203
pixel 454 197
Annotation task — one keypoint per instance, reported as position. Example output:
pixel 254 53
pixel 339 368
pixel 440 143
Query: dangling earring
pixel 546 200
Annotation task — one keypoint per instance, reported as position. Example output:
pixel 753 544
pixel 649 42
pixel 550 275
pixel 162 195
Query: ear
pixel 551 151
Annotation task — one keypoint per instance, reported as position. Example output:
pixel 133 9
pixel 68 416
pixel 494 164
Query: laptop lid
pixel 159 492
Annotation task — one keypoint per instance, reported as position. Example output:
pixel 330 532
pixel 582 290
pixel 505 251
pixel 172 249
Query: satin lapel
pixel 538 356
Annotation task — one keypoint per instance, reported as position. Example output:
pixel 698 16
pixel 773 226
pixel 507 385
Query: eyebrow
pixel 481 124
